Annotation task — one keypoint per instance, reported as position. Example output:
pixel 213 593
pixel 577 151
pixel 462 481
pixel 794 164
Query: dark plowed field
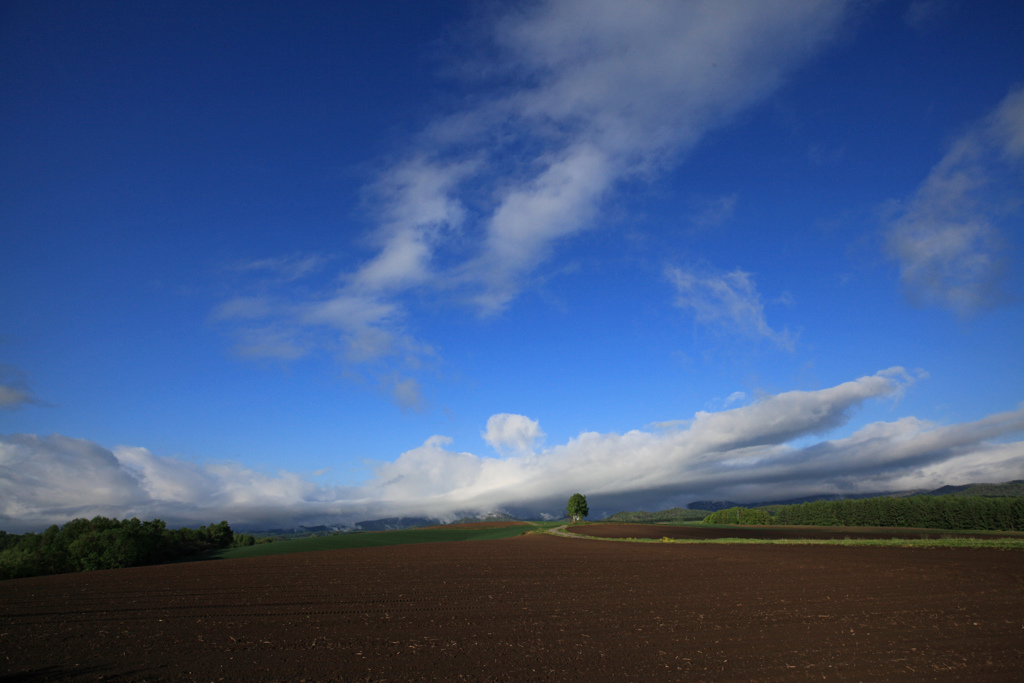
pixel 760 532
pixel 530 608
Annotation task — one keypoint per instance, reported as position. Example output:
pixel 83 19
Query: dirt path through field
pixel 535 607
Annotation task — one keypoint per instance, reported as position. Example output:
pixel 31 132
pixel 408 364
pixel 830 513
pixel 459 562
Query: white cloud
pixel 729 301
pixel 46 480
pixel 614 91
pixel 416 212
pixel 641 81
pixel 558 202
pixel 741 454
pixel 52 479
pixel 601 92
pixel 736 397
pixel 512 433
pixel 429 473
pixel 365 321
pixel 946 237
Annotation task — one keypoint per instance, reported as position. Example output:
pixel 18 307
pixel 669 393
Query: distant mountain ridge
pixel 395 523
pixel 673 515
pixel 490 517
pixel 1011 489
pixel 385 524
pixel 398 523
pixel 712 505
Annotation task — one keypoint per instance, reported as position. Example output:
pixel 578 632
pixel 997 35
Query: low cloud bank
pixel 742 454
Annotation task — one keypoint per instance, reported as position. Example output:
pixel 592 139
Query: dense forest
pixel 102 543
pixel 954 512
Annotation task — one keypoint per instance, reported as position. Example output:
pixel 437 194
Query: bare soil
pixel 620 530
pixel 531 608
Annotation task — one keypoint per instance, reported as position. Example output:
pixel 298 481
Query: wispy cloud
pixel 13 397
pixel 406 392
pixel 286 268
pixel 14 391
pixel 715 211
pixel 577 97
pixel 736 397
pixel 946 237
pixel 727 301
pixel 743 454
pixel 924 15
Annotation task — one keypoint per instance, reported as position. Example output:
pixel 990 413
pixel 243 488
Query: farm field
pixel 372 539
pixel 534 607
pixel 703 532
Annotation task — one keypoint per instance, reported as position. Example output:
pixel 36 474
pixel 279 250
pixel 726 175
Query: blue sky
pixel 335 261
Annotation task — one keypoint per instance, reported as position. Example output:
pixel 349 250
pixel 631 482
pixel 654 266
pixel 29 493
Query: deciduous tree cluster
pixel 102 543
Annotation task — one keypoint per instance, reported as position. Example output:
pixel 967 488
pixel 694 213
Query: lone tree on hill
pixel 577 507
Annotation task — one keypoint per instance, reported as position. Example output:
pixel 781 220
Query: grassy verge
pixel 368 540
pixel 871 529
pixel 548 525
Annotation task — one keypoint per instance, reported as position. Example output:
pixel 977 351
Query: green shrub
pixel 243 540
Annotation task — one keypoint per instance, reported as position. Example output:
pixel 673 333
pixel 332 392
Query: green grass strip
pixel 368 540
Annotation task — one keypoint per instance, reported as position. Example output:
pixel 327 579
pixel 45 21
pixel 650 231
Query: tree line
pixel 932 512
pixel 102 543
pixel 958 513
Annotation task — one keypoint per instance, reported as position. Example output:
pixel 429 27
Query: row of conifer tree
pixel 931 512
pixel 958 513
